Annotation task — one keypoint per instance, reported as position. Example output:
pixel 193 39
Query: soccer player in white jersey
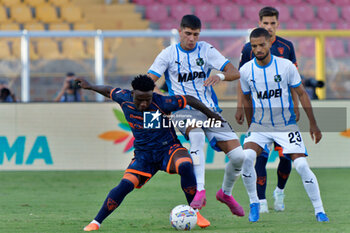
pixel 266 81
pixel 186 67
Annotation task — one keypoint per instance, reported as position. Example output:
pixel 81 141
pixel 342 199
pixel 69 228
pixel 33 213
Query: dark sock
pixel 188 180
pixel 283 171
pixel 114 199
pixel 260 168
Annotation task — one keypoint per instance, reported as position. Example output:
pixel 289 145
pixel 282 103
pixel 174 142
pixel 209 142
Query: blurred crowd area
pixel 52 58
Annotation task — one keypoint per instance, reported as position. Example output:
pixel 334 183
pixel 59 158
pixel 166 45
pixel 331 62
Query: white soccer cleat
pixel 279 200
pixel 264 208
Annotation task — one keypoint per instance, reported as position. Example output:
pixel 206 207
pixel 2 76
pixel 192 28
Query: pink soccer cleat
pixel 235 208
pixel 199 200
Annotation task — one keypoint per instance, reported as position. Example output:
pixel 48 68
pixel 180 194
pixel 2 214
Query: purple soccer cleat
pixel 235 208
pixel 199 200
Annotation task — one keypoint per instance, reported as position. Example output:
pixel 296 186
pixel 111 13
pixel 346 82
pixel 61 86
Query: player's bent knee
pixel 250 155
pixel 301 164
pixel 197 138
pixel 184 166
pixel 131 178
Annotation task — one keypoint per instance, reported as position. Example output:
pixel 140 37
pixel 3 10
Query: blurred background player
pixel 5 93
pixel 266 81
pixel 268 19
pixel 155 148
pixel 70 92
pixel 187 67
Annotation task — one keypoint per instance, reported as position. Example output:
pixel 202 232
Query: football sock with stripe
pixel 233 169
pixel 188 180
pixel 283 171
pixel 114 199
pixel 310 183
pixel 260 168
pixel 249 175
pixel 197 140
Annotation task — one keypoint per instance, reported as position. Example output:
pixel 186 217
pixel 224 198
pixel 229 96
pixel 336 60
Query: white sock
pixel 94 221
pixel 197 140
pixel 278 190
pixel 310 183
pixel 249 175
pixel 233 169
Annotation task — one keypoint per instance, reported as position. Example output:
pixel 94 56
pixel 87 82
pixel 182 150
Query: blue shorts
pixel 141 169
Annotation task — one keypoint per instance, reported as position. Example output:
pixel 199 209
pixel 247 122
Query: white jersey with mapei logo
pixel 185 71
pixel 269 87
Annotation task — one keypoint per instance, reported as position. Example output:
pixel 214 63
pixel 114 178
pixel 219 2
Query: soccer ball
pixel 183 217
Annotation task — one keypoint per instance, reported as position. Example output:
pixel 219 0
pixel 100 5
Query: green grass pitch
pixel 66 201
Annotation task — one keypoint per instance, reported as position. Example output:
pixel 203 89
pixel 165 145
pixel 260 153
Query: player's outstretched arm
pixel 240 110
pixel 315 132
pixel 102 89
pixel 195 103
pixel 229 73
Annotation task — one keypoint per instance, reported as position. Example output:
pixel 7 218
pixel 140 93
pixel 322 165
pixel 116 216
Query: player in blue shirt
pixel 156 145
pixel 268 19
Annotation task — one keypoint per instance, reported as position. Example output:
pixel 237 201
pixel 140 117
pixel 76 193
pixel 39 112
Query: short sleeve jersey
pixel 269 87
pixel 150 138
pixel 280 48
pixel 185 71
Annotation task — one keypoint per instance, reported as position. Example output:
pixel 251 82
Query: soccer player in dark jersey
pixel 156 146
pixel 268 19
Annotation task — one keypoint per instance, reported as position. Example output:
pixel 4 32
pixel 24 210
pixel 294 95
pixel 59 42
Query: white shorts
pixel 214 134
pixel 289 138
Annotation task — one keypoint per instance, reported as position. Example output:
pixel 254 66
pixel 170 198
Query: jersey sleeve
pixel 245 55
pixel 294 79
pixel 216 59
pixel 160 64
pixel 173 103
pixel 118 95
pixel 244 80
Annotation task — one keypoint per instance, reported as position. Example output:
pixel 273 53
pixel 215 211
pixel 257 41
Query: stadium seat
pixel 245 2
pixel 34 26
pixel 252 12
pixel 304 13
pixel 59 27
pixel 306 47
pixel 340 2
pixel 157 12
pixel 328 13
pixel 34 2
pixel 284 13
pixel 221 2
pixel 177 11
pixel 318 2
pixel 21 13
pixel 231 12
pixel 295 25
pixel 60 2
pixel 195 2
pixel 207 12
pixel 10 2
pixel 246 24
pixel 269 2
pixel 47 14
pixel 170 2
pixel 3 15
pixel 10 27
pixel 5 52
pixel 294 2
pixel 48 49
pixel 83 26
pixel 320 25
pixel 343 25
pixel 220 24
pixel 71 13
pixel 73 48
pixel 345 12
pixel 169 24
pixel 16 49
pixel 335 48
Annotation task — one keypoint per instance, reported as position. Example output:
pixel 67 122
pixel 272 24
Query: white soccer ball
pixel 183 217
